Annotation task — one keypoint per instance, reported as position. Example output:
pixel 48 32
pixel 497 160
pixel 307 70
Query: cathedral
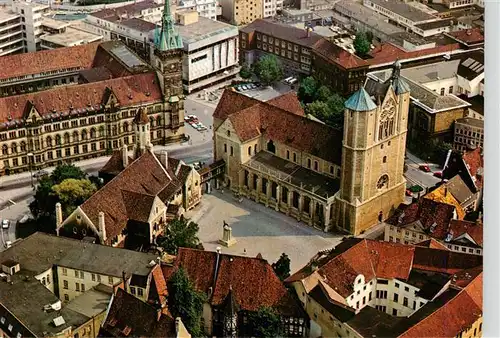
pixel 336 181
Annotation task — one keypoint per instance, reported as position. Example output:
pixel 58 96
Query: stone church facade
pixel 345 181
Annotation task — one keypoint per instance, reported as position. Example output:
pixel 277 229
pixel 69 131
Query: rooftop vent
pixel 58 321
pixel 433 227
pixel 10 267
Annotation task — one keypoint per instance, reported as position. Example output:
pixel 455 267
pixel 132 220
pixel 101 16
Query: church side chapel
pixel 144 190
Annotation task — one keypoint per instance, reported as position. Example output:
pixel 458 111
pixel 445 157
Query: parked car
pixel 5 224
pixel 40 174
pixel 409 193
pixel 438 174
pixel 425 168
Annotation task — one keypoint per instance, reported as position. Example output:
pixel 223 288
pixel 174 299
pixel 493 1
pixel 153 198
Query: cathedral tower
pixel 167 59
pixel 374 142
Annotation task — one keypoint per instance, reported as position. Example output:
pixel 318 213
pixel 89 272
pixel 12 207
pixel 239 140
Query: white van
pixel 292 81
pixel 288 79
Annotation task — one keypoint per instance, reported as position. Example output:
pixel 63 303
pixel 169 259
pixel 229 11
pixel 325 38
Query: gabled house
pixel 131 210
pixel 236 286
pixel 130 317
pixel 369 288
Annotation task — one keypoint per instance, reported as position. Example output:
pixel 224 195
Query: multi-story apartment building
pixel 468 132
pixel 366 288
pixel 209 9
pixel 11 33
pixel 242 12
pixel 32 15
pixel 271 7
pixel 58 34
pixel 91 118
pixel 44 278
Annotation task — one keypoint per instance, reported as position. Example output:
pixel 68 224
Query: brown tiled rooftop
pixel 468 36
pixel 288 102
pixel 333 53
pixel 62 101
pixel 49 60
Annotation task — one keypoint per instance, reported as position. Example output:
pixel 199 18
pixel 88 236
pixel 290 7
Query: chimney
pixel 59 217
pixel 102 226
pixel 125 156
pixel 124 277
pixel 165 158
pixel 445 191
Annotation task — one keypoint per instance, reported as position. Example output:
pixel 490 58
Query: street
pixel 415 176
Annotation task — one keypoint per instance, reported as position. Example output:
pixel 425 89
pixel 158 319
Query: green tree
pixel 307 90
pixel 268 69
pixel 72 192
pixel 65 171
pixel 361 44
pixel 265 323
pixel 282 267
pixel 180 234
pixel 319 110
pixel 44 202
pixel 369 36
pixel 245 71
pixel 336 108
pixel 323 94
pixel 186 302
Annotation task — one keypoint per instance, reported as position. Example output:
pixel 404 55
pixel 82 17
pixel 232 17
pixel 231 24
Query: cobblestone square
pixel 258 229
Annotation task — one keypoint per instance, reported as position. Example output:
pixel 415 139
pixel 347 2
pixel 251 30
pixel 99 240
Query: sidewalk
pixel 418 161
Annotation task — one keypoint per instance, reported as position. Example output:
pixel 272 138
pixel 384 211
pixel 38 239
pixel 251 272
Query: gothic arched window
pixel 387 120
pixel 271 147
pixel 383 181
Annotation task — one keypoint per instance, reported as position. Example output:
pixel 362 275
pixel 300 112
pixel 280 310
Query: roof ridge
pixel 437 310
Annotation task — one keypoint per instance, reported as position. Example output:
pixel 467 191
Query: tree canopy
pixel 180 234
pixel 64 171
pixel 330 112
pixel 268 69
pixel 323 94
pixel 282 267
pixel 361 44
pixel 307 90
pixel 245 71
pixel 186 302
pixel 72 192
pixel 265 323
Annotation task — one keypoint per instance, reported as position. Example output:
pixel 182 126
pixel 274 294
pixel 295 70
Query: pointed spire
pixel 360 101
pixel 168 38
pixel 397 82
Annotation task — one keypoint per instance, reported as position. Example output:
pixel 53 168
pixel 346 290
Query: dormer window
pixel 229 133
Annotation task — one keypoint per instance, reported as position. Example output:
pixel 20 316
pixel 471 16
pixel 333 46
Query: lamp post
pixel 30 160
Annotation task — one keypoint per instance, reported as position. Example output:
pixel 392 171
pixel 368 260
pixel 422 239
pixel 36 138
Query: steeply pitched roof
pixel 288 102
pixel 432 243
pixel 333 53
pixel 469 165
pixel 49 60
pixel 145 176
pixel 444 261
pixel 257 118
pixel 128 316
pixel 473 229
pixel 138 205
pixel 455 316
pixel 360 101
pixel 443 195
pixel 252 280
pixel 78 99
pixel 141 117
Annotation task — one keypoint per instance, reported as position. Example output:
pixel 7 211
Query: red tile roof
pixel 465 277
pixel 433 244
pixel 130 90
pixel 255 118
pixel 457 315
pixel 333 53
pixel 49 60
pixel 474 162
pixel 468 36
pixel 473 229
pixel 387 53
pixel 391 260
pixel 144 176
pixel 289 102
pixel 252 280
pixel 443 261
pixel 160 284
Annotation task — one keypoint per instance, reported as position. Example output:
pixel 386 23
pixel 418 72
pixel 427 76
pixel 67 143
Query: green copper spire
pixel 168 37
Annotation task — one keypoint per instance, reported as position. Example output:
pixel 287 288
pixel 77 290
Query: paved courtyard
pixel 258 229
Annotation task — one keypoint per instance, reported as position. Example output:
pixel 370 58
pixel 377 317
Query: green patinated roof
pixel 360 101
pixel 169 38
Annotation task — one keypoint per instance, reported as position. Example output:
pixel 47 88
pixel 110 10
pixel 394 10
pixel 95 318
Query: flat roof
pixel 403 9
pixel 294 174
pixel 204 28
pixel 367 16
pixel 471 122
pixel 54 24
pixel 432 72
pixel 6 15
pixel 434 24
pixel 71 37
pixel 139 25
pixel 92 302
pixel 112 14
pixel 295 11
